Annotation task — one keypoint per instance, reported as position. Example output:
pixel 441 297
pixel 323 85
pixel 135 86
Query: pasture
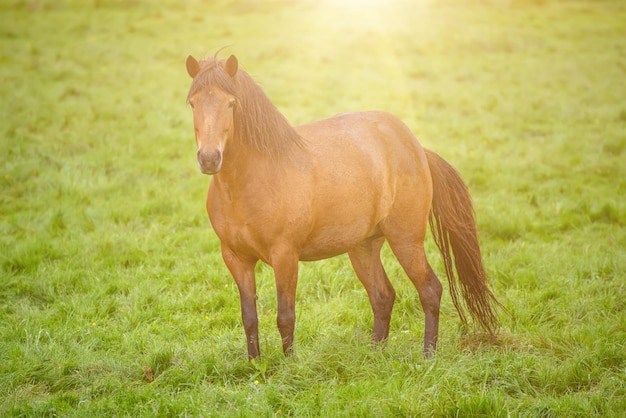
pixel 114 299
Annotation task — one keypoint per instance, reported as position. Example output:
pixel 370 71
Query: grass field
pixel 114 300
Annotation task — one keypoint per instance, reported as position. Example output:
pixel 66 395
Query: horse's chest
pixel 242 225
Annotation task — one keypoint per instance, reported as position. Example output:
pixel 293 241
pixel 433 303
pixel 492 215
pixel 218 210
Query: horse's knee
pixel 286 321
pixel 250 322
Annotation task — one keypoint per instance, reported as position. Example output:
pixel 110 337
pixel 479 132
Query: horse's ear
pixel 231 66
pixel 192 66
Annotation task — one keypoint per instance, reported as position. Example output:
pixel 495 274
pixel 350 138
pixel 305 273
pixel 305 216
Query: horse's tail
pixel 454 229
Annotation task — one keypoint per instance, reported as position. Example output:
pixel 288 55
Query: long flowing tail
pixel 454 229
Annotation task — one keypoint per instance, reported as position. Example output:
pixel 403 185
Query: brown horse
pixel 281 194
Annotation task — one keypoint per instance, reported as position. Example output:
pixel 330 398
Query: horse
pixel 345 184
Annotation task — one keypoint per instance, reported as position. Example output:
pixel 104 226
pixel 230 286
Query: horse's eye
pixel 191 104
pixel 231 104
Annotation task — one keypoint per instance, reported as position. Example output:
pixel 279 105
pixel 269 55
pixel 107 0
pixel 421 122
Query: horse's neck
pixel 245 166
pixel 264 144
pixel 260 125
pixel 242 163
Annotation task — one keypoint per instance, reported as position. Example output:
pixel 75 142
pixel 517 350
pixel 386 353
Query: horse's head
pixel 213 102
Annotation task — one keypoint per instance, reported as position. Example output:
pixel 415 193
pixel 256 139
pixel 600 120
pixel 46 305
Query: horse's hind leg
pixel 410 253
pixel 369 269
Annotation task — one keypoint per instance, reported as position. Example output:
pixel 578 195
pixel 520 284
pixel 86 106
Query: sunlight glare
pixel 358 3
pixel 381 15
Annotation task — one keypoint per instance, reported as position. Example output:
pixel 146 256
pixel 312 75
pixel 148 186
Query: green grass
pixel 113 296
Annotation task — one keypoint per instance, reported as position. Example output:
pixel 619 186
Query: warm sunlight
pixel 366 31
pixel 358 12
pixel 382 16
pixel 358 3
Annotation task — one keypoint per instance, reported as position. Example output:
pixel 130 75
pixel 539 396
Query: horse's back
pixel 377 136
pixel 372 149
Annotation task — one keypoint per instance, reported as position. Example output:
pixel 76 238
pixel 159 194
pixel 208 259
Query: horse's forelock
pixel 212 74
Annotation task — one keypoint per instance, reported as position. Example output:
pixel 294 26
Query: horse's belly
pixel 333 242
pixel 342 224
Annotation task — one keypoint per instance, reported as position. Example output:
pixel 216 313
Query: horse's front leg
pixel 242 270
pixel 285 266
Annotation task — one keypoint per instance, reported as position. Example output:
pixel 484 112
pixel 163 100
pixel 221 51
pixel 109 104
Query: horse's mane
pixel 258 123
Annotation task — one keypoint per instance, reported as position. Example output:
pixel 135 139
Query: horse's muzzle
pixel 210 162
